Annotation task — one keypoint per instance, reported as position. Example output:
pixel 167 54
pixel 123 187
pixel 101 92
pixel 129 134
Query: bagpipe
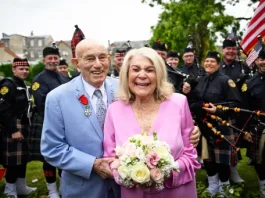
pixel 178 77
pixel 209 123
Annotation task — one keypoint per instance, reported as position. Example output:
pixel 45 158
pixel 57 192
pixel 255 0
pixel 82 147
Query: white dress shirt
pixel 93 99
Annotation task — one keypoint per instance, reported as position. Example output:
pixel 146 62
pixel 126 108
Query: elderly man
pixel 73 127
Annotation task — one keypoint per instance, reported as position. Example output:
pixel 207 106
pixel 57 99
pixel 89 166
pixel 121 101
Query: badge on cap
pixel 4 90
pixel 244 87
pixel 231 83
pixel 35 86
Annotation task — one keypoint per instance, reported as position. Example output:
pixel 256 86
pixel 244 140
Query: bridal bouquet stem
pixel 144 161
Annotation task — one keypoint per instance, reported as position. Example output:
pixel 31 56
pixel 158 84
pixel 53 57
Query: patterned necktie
pixel 100 109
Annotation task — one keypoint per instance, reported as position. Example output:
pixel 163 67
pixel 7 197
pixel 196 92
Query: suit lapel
pixel 80 90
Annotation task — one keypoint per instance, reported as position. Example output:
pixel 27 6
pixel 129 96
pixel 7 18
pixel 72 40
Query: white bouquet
pixel 144 161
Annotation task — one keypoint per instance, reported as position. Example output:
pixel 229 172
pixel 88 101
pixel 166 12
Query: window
pixel 40 43
pixel 6 44
pixel 31 43
pixel 32 54
pixel 40 54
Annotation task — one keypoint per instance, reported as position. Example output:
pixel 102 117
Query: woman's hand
pixel 210 109
pixel 195 136
pixel 186 88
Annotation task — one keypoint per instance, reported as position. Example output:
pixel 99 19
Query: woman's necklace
pixel 146 114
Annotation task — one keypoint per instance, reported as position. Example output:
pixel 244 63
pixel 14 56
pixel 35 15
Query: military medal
pixel 87 110
pixel 84 101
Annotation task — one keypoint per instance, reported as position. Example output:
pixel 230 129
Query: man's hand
pixel 195 136
pixel 101 167
pixel 248 137
pixel 186 88
pixel 17 136
pixel 210 109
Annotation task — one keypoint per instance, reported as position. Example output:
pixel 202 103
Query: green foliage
pixel 231 2
pixel 198 18
pixel 6 70
pixel 234 191
pixel 231 191
pixel 34 70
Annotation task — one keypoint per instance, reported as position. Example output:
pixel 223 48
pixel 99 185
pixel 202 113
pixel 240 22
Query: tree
pixel 161 2
pixel 34 70
pixel 6 70
pixel 200 19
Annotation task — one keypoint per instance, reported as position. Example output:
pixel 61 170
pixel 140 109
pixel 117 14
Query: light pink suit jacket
pixel 173 125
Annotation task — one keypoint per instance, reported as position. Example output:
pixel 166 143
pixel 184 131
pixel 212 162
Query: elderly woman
pixel 147 103
pixel 215 88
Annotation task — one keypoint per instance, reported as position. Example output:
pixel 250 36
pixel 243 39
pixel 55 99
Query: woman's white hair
pixel 163 90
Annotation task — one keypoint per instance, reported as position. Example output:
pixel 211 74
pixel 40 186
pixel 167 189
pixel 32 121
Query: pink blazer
pixel 173 125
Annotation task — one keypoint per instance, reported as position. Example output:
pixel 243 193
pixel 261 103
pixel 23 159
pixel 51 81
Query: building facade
pixel 29 47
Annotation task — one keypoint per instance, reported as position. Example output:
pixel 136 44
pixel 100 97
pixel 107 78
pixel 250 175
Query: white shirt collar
pixel 91 89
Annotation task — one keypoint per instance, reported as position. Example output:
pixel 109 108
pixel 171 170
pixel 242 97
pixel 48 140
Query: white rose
pixel 119 151
pixel 140 173
pixel 162 151
pixel 123 172
pixel 147 140
pixel 140 154
pixel 130 149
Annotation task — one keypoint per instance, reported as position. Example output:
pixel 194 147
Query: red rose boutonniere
pixel 84 101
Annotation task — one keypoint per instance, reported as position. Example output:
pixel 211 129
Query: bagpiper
pixel 15 107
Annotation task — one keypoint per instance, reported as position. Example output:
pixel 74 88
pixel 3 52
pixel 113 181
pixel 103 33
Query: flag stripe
pixel 252 39
pixel 258 12
pixel 256 27
pixel 256 23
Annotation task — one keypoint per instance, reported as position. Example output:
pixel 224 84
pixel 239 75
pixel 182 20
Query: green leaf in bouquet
pixel 155 135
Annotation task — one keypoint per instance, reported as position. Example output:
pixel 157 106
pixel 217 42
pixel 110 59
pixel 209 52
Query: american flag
pixel 256 27
pixel 254 54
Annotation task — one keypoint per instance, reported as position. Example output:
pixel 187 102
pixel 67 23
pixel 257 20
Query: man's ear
pixel 13 69
pixel 109 57
pixel 75 64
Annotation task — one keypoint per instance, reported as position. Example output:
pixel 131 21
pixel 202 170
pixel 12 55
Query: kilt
pixel 1 144
pixel 16 152
pixel 35 137
pixel 221 152
pixel 253 150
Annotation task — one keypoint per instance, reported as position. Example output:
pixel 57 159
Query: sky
pixel 104 20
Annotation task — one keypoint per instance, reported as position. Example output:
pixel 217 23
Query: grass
pixel 34 171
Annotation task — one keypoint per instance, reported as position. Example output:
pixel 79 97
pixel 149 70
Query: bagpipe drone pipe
pixel 209 124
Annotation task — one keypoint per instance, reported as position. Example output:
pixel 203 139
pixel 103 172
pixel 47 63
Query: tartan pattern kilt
pixel 253 148
pixel 16 152
pixel 221 152
pixel 35 137
pixel 1 144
